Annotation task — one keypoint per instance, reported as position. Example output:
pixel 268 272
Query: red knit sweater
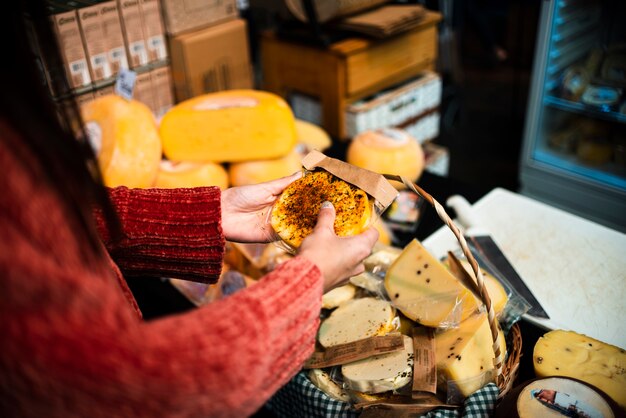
pixel 71 344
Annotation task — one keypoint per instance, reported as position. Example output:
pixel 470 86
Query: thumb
pixel 326 217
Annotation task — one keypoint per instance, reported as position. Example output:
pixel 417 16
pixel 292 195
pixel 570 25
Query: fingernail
pixel 327 205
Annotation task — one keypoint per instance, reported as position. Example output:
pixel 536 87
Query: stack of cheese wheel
pixel 124 136
pixel 387 151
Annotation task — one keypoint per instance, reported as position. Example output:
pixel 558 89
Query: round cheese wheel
pixel 259 171
pixel 312 136
pixel 387 151
pixel 187 174
pixel 124 136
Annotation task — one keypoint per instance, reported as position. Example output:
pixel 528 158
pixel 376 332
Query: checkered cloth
pixel 301 398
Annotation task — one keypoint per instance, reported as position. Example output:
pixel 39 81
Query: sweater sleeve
pixel 166 232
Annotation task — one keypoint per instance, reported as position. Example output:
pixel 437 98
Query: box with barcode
pixel 183 16
pixel 153 30
pixel 163 90
pixel 134 39
pixel 396 106
pixel 67 30
pixel 102 34
pixel 143 91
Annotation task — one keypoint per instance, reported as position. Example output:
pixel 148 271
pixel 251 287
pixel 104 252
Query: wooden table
pixel 347 70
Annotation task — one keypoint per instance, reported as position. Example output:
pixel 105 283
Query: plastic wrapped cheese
pixel 258 171
pixel 125 138
pixel 229 126
pixel 187 174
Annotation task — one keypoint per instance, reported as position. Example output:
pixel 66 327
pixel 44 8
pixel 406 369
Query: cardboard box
pixel 67 30
pixel 437 159
pixel 102 34
pixel 153 30
pixel 103 91
pixel 163 90
pixel 212 59
pixel 134 39
pixel 188 15
pixel 143 90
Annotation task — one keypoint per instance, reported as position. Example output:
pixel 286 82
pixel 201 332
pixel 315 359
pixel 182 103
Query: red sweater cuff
pixel 167 232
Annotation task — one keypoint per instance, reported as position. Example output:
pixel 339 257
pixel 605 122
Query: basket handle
pixel 484 295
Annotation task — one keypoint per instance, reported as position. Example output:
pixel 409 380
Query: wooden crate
pixel 347 70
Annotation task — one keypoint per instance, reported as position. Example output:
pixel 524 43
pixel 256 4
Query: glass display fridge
pixel 574 147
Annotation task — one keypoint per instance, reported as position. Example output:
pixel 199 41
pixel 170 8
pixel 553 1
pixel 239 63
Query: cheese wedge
pixel 569 354
pixel 338 296
pixel 465 355
pixel 259 171
pixel 425 291
pixel 355 320
pixel 497 293
pixel 187 174
pixel 125 138
pixel 229 126
pixel 381 373
pixel 322 380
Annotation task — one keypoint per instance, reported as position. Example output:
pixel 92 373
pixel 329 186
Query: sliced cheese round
pixel 355 320
pixel 125 138
pixel 259 171
pixel 187 174
pixel 312 136
pixel 381 373
pixel 387 151
pixel 496 291
pixel 322 380
pixel 229 126
pixel 337 296
pixel 368 281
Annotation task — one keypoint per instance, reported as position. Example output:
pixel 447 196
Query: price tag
pixel 125 83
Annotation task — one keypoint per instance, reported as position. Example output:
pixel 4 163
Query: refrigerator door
pixel 574 154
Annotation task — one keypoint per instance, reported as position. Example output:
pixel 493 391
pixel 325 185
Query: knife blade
pixel 484 248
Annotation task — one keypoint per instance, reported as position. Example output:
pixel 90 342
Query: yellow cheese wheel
pixel 229 126
pixel 312 136
pixel 253 172
pixel 125 138
pixel 387 151
pixel 188 174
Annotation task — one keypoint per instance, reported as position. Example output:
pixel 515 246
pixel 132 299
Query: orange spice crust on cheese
pixel 295 213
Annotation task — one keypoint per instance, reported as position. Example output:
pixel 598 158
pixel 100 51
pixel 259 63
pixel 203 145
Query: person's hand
pixel 339 258
pixel 245 210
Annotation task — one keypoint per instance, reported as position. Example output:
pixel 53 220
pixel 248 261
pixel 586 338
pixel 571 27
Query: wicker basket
pixel 301 398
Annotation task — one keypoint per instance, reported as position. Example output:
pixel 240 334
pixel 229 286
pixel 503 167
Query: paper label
pixel 424 364
pixel 373 184
pixel 93 133
pixel 125 83
pixel 357 350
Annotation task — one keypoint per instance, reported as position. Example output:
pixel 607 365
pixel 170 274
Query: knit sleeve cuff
pixel 167 232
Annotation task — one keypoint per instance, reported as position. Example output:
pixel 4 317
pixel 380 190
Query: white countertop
pixel 575 268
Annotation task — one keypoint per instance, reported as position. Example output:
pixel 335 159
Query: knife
pixel 485 249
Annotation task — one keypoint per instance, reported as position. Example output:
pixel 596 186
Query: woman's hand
pixel 339 258
pixel 245 210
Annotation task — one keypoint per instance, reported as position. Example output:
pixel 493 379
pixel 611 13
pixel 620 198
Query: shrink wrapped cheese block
pixel 387 151
pixel 312 136
pixel 125 139
pixel 425 291
pixel 335 297
pixel 258 171
pixel 465 355
pixel 322 380
pixel 187 174
pixel 229 126
pixel 381 373
pixel 356 320
pixel 496 291
pixel 569 354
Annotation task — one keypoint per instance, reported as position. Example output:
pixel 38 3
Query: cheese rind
pixel 425 291
pixel 355 320
pixel 381 373
pixel 465 355
pixel 259 171
pixel 126 140
pixel 229 126
pixel 569 354
pixel 188 174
